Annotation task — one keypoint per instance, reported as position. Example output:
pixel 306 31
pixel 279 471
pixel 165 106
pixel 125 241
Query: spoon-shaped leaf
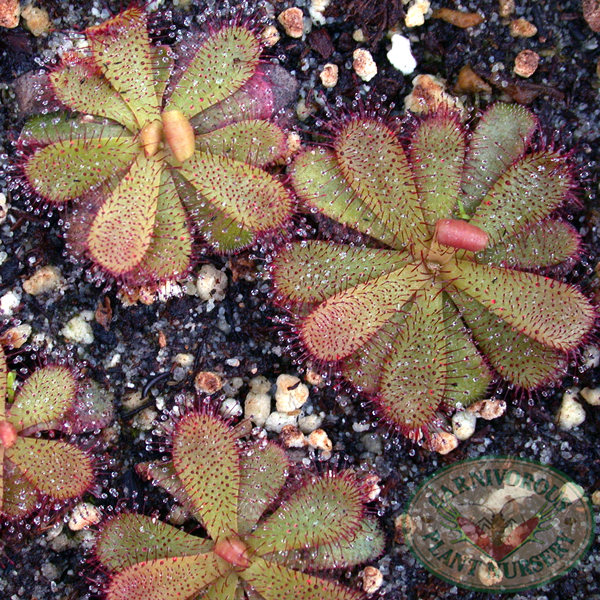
pixel 130 538
pixel 53 467
pixel 548 311
pixel 44 397
pixel 206 459
pixel 322 511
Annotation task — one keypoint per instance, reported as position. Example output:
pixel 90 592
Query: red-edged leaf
pixel 53 467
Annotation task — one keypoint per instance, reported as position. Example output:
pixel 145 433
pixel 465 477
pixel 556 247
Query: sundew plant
pixel 454 288
pixel 152 145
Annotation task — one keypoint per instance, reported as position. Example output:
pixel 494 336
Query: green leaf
pixel 247 195
pixel 322 511
pixel 61 126
pixel 467 374
pixel 164 579
pixel 67 169
pixel 53 467
pixel 517 358
pixel 437 156
pixel 344 322
pixel 501 136
pixel 225 588
pixel 256 142
pixel 551 312
pixel 546 244
pixel 414 379
pixel 313 271
pixel 162 63
pixel 275 582
pixel 130 538
pixel 44 398
pixel 224 62
pixel 19 497
pixel 386 185
pixel 264 470
pixel 367 544
pixel 206 458
pixel 122 230
pixel 121 50
pixel 363 368
pixel 170 250
pixel 79 85
pixel 318 181
pixel 525 194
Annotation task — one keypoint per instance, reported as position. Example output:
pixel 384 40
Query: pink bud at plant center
pixel 234 551
pixel 461 235
pixel 8 434
pixel 179 134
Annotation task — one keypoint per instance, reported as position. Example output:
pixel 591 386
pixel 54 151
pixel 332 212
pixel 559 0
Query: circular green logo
pixel 499 524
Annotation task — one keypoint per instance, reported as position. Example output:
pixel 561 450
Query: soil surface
pixel 238 338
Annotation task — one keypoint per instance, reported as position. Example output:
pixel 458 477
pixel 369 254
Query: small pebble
pixel 521 28
pixel 270 36
pixel 359 36
pixel 291 393
pixel 372 580
pixel 458 18
pixel 211 284
pixel 442 442
pixel 590 357
pixel 469 82
pixel 415 15
pixel 231 408
pixel 208 382
pixel 84 515
pixel 292 20
pixel 15 337
pixel 429 94
pixel 507 8
pixel 257 407
pixel 9 302
pixel 145 420
pixel 320 440
pixel 329 75
pixel 400 55
pixel 10 11
pixel 570 414
pixel 489 573
pixel 371 488
pixel 372 442
pixel 36 20
pixel 185 360
pixel 309 423
pixel 276 421
pixel 591 13
pixel 596 498
pixel 363 64
pixel 591 396
pixel 44 280
pixel 3 208
pixel 526 63
pixel 78 329
pixel 488 409
pixel 463 424
pixel 292 437
pixel 316 10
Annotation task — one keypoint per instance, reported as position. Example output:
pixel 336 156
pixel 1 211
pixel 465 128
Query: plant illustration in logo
pixel 263 532
pixel 148 141
pixel 455 287
pixel 35 465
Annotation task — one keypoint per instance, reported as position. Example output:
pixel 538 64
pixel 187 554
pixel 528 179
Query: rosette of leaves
pixel 455 289
pixel 36 464
pixel 262 532
pixel 144 145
